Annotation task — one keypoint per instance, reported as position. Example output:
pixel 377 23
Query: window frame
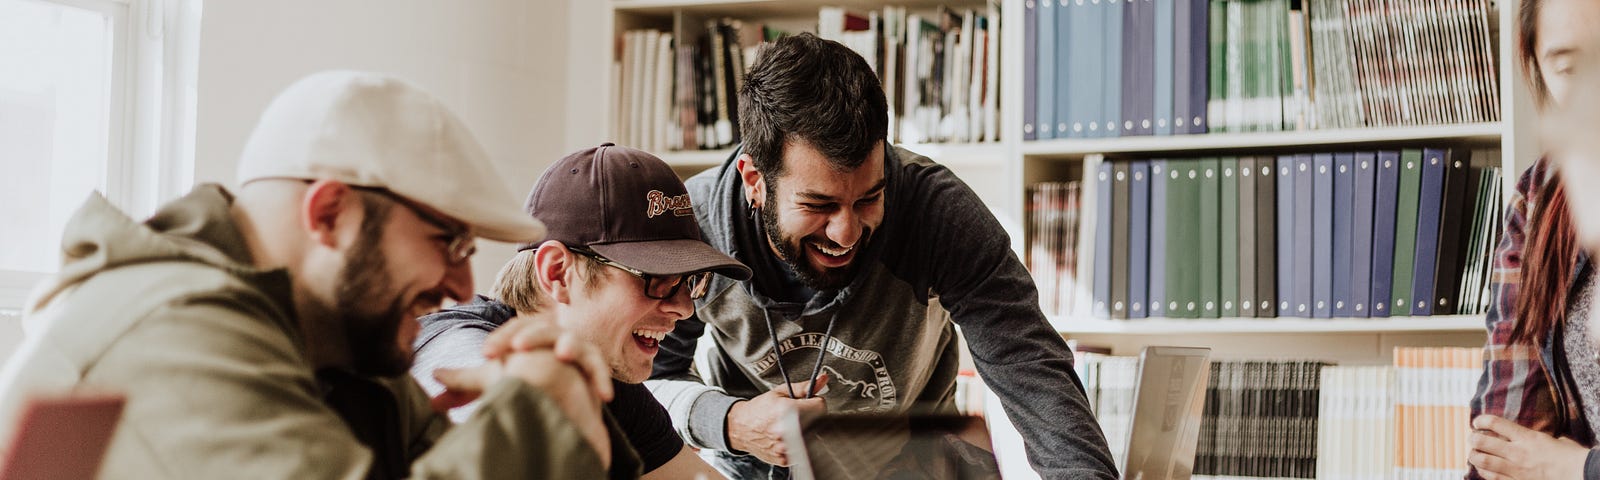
pixel 150 137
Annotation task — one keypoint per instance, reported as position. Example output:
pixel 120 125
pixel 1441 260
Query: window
pixel 95 95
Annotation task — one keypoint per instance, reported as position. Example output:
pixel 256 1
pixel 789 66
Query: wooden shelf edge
pixel 1075 325
pixel 1492 131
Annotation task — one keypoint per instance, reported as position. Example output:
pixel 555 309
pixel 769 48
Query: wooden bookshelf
pixel 1002 171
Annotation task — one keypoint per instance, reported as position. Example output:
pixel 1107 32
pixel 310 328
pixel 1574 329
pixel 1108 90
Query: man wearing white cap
pixel 265 332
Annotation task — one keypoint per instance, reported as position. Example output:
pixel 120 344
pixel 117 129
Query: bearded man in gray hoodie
pixel 866 257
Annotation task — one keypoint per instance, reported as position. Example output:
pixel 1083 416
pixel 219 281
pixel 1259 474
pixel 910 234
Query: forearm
pixel 699 412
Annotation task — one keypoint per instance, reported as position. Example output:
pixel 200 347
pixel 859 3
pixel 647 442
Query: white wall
pixel 497 63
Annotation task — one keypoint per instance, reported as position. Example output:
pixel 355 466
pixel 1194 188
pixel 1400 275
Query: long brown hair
pixel 1549 257
pixel 1550 252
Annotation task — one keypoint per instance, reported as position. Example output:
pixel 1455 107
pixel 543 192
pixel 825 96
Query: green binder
pixel 1183 229
pixel 1405 228
pixel 1210 237
pixel 1228 258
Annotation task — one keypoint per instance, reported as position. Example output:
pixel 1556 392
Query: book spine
pixel 1285 230
pixel 1228 248
pixel 1030 70
pixel 1210 237
pixel 1343 205
pixel 1120 239
pixel 1305 249
pixel 1430 203
pixel 1246 209
pixel 1103 238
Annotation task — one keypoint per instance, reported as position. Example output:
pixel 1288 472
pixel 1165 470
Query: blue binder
pixel 1045 110
pixel 1110 117
pixel 1159 176
pixel 1199 53
pixel 1286 244
pixel 1305 250
pixel 1365 171
pixel 1132 57
pixel 1072 55
pixel 1180 66
pixel 1102 241
pixel 1343 218
pixel 1165 11
pixel 1386 196
pixel 1430 202
pixel 1322 235
pixel 1138 237
pixel 1030 70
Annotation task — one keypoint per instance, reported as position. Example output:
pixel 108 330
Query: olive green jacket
pixel 212 360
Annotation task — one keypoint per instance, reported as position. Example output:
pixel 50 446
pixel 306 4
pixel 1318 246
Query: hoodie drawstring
pixel 777 356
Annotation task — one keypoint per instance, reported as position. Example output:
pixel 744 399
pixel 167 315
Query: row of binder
pixel 1317 235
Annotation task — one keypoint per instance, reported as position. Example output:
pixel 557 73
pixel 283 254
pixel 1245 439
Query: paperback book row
pixel 1309 419
pixel 939 71
pixel 1320 235
pixel 1109 68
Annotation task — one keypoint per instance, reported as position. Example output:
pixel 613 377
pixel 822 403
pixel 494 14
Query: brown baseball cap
pixel 628 206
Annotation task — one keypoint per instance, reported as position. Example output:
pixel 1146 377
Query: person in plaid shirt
pixel 1529 411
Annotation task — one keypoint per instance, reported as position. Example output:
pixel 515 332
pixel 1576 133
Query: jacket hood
pixel 195 228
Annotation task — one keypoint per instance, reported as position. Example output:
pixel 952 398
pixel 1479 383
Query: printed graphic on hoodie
pixel 859 380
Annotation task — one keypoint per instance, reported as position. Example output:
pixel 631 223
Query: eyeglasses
pixel 657 287
pixel 460 245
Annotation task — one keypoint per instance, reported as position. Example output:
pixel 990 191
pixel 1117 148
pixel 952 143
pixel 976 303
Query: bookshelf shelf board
pixel 695 158
pixel 944 153
pixel 1476 132
pixel 768 8
pixel 1168 326
pixel 989 153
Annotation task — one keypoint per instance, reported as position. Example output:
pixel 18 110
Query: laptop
pixel 61 437
pixel 890 446
pixel 1169 400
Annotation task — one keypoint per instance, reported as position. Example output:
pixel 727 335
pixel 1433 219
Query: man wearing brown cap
pixel 622 263
pixel 264 332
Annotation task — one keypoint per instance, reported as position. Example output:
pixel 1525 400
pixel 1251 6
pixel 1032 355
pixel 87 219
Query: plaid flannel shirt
pixel 1515 382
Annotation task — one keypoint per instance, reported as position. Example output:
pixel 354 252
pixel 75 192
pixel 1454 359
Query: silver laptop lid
pixel 1169 400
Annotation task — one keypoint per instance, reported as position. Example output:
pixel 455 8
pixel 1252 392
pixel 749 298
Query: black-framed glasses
pixel 461 244
pixel 661 287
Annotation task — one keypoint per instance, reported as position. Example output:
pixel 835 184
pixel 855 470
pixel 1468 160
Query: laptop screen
pixel 1169 402
pixel 855 446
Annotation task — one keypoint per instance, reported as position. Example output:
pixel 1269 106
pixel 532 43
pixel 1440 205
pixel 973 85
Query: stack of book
pixel 1355 433
pixel 1309 419
pixel 1109 383
pixel 1052 239
pixel 1107 68
pixel 1260 420
pixel 1325 235
pixel 940 74
pixel 1406 421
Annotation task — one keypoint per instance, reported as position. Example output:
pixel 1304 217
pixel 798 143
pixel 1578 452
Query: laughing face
pixel 612 312
pixel 818 216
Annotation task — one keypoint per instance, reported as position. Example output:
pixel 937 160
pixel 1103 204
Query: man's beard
pixel 371 338
pixel 792 252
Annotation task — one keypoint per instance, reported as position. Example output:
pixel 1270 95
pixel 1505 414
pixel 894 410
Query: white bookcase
pixel 1000 171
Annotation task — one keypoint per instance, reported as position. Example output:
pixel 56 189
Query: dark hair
pixel 1527 49
pixel 1550 253
pixel 804 88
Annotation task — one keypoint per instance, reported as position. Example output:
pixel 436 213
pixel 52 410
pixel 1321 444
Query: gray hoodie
pixel 939 260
